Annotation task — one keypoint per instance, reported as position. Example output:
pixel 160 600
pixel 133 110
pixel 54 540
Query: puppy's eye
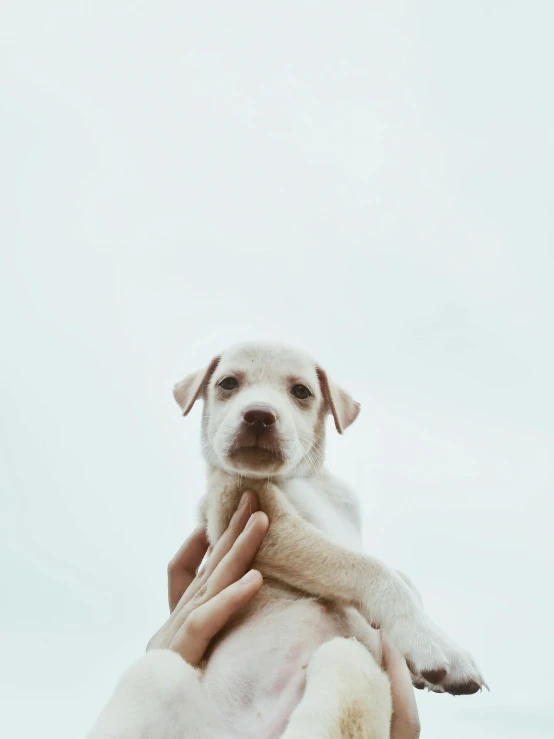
pixel 301 392
pixel 229 383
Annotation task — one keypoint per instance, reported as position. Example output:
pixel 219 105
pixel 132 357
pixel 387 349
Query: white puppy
pixel 287 667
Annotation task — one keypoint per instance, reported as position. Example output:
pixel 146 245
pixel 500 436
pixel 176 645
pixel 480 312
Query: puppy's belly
pixel 256 675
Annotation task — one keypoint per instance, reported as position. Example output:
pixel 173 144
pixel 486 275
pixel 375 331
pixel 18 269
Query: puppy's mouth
pixel 263 455
pixel 258 449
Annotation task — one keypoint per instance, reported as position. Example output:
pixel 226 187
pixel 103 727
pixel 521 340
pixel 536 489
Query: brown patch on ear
pixel 344 408
pixel 187 392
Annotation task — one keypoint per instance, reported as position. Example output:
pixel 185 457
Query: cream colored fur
pixel 347 696
pixel 287 666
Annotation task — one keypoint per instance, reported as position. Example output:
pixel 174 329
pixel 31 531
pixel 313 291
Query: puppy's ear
pixel 344 408
pixel 187 392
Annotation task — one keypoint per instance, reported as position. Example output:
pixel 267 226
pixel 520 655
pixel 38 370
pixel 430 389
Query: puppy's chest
pixel 316 506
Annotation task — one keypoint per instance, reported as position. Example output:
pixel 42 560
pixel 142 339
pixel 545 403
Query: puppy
pixel 288 666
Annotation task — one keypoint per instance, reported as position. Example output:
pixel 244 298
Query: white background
pixel 369 180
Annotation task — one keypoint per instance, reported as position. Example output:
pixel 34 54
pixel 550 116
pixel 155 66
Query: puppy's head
pixel 264 409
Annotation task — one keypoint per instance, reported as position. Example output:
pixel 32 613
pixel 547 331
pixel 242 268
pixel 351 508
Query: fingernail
pixel 243 501
pixel 249 522
pixel 249 577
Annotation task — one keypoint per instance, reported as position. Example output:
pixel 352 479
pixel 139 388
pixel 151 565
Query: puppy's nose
pixel 258 418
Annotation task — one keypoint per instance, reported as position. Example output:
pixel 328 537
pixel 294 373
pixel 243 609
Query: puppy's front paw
pixel 435 661
pixel 463 677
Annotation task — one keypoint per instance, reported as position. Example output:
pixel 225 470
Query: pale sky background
pixel 372 181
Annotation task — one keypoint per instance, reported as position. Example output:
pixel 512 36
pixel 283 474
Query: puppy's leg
pixel 347 696
pixel 297 553
pixel 159 697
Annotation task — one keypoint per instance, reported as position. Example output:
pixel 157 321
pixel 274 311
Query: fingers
pixel 405 720
pixel 197 621
pixel 248 504
pixel 191 591
pixel 230 569
pixel 239 558
pixel 181 571
pixel 194 636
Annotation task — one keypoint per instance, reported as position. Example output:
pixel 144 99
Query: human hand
pixel 201 603
pixel 405 719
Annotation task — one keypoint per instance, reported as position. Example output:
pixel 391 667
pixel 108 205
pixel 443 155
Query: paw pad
pixel 434 676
